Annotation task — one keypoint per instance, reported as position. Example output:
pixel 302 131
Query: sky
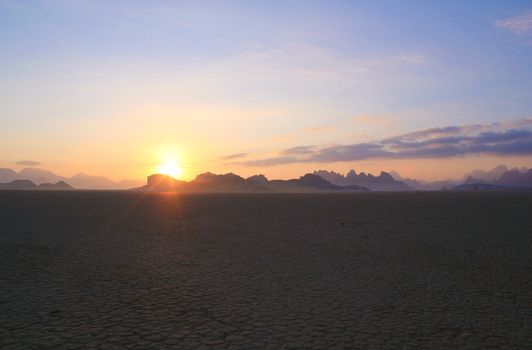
pixel 431 89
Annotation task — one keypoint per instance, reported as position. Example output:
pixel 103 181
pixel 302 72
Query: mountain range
pixel 79 181
pixel 29 185
pixel 230 182
pixel 382 182
pixel 498 178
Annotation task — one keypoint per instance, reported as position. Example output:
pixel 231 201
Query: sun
pixel 170 168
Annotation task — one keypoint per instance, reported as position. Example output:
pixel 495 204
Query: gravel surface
pixel 114 270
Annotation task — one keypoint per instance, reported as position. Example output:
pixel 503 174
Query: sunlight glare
pixel 170 168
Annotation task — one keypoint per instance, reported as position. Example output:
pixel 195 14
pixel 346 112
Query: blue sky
pixel 83 79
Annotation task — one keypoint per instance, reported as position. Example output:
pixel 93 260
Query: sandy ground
pixel 409 270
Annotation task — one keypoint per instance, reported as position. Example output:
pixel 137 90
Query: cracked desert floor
pixel 114 270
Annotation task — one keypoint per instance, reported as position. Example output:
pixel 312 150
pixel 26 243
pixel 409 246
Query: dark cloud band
pixel 502 139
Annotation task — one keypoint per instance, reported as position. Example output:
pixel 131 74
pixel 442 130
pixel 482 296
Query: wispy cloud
pixel 303 59
pixel 299 150
pixel 28 163
pixel 519 25
pixel 501 138
pixel 271 161
pixel 234 156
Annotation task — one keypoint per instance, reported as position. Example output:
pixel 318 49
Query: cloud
pixel 519 25
pixel 234 156
pixel 299 150
pixel 509 138
pixel 303 61
pixel 28 163
pixel 271 161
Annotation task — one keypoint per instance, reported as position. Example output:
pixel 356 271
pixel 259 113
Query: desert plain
pixel 115 270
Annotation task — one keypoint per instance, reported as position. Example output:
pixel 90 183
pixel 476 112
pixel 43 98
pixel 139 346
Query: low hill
pixel 29 185
pixel 80 181
pixel 481 186
pixel 18 185
pixel 60 185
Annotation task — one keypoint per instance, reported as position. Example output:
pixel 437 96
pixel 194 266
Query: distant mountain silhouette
pixel 79 181
pixel 18 185
pixel 85 181
pixel 29 185
pixel 320 180
pixel 415 184
pixel 383 182
pixel 230 182
pixel 7 175
pixel 60 185
pixel 498 178
pixel 475 177
pixel 472 180
pixel 225 183
pixel 516 178
pixel 91 182
pixel 330 181
pixel 260 179
pixel 38 176
pixel 332 176
pixel 206 182
pixel 317 182
pixel 422 185
pixel 488 175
